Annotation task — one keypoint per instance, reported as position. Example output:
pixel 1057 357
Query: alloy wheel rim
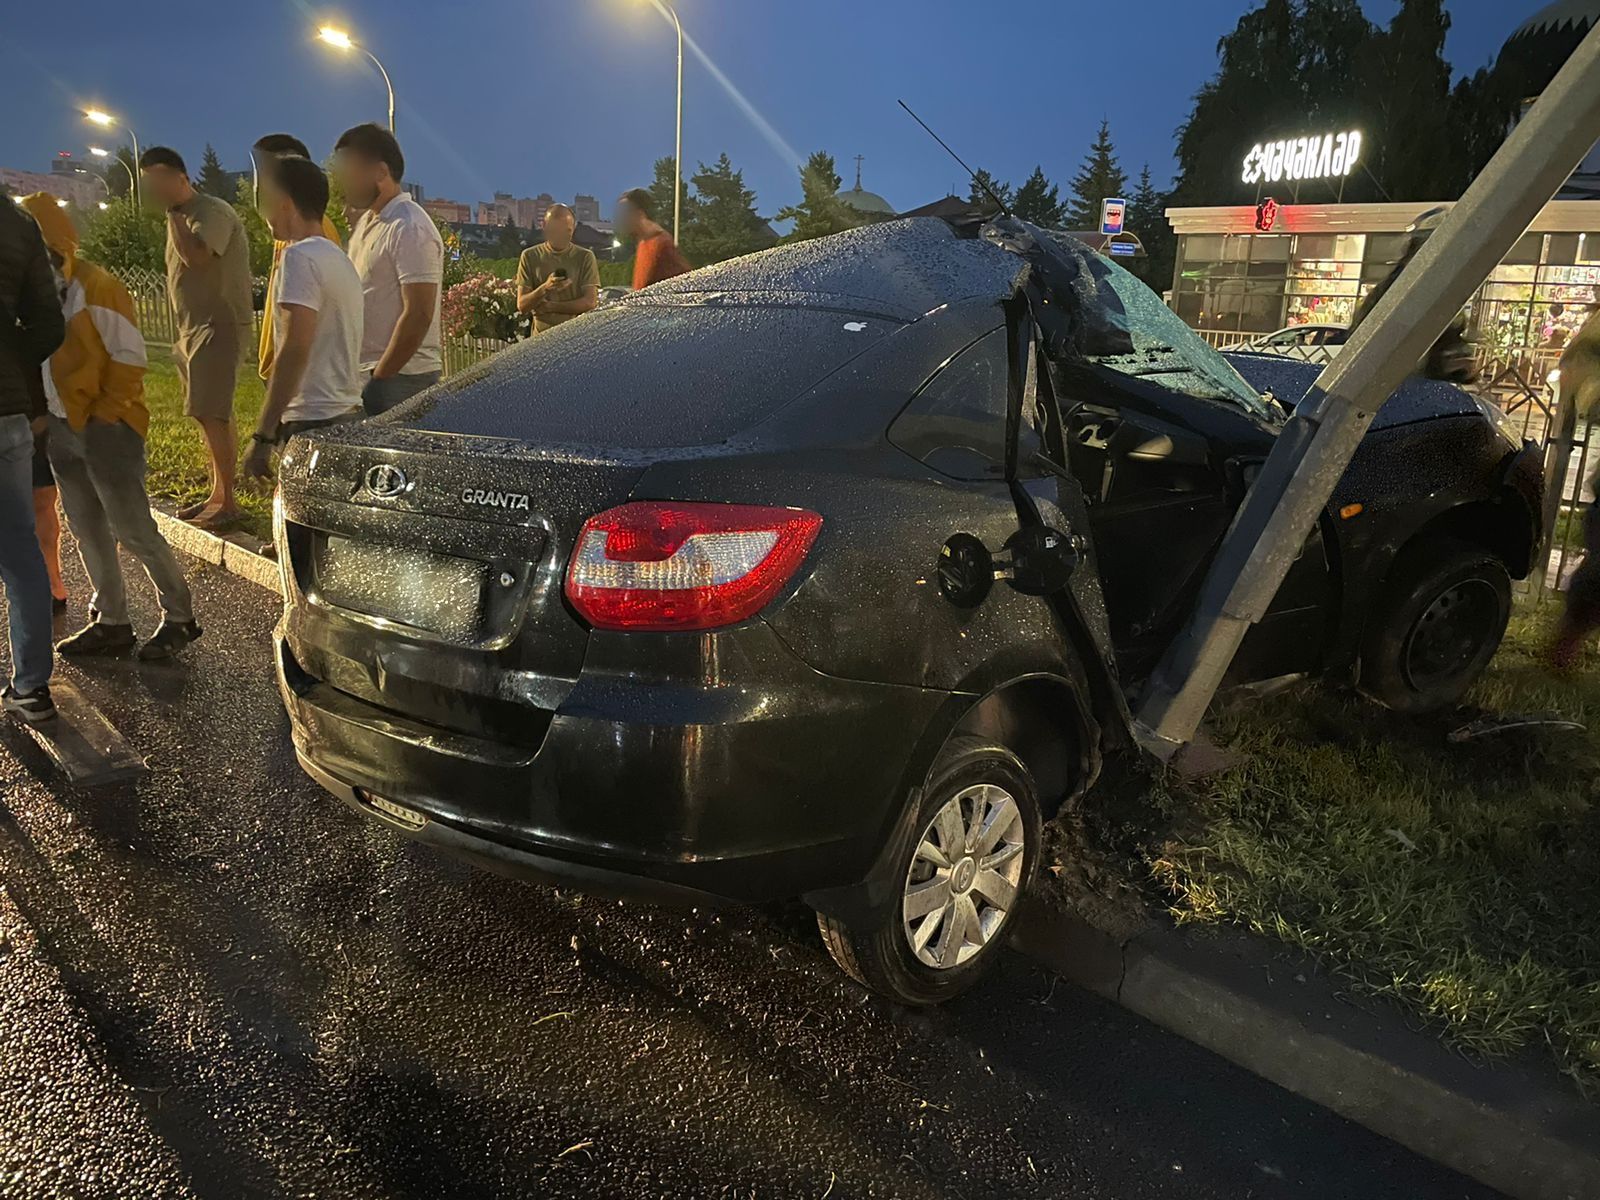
pixel 1450 632
pixel 964 877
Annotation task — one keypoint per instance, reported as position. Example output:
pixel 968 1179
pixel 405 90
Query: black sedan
pixel 829 572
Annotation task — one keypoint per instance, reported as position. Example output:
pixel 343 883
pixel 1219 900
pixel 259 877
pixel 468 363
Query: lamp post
pixel 677 145
pixel 340 40
pixel 133 183
pixel 98 116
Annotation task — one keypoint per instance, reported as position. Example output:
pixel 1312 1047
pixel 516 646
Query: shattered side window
pixel 1164 349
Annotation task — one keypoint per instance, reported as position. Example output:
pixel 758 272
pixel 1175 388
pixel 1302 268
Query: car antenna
pixel 973 175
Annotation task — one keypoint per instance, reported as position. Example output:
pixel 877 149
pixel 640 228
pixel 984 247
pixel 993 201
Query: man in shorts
pixel 208 281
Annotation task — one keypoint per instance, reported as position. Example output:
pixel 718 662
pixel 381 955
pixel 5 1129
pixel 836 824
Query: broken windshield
pixel 1136 334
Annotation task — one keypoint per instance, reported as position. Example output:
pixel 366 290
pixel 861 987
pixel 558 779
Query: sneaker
pixel 33 707
pixel 97 638
pixel 190 511
pixel 168 639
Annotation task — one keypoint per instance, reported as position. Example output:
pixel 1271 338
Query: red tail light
pixel 685 566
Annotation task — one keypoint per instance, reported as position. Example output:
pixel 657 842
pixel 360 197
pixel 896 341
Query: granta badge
pixel 510 501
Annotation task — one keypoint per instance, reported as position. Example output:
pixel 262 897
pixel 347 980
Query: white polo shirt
pixel 395 246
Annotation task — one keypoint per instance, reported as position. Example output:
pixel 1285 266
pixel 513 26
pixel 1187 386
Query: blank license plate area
pixel 433 592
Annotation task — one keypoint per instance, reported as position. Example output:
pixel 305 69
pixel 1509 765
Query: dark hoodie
pixel 31 323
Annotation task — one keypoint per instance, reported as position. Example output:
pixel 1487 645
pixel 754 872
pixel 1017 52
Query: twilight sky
pixel 576 95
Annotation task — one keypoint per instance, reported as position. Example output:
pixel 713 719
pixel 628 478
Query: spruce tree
pixel 820 211
pixel 1100 178
pixel 726 223
pixel 980 197
pixel 214 180
pixel 1038 200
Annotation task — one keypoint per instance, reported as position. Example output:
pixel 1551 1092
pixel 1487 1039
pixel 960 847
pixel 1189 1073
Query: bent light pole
pixel 1319 440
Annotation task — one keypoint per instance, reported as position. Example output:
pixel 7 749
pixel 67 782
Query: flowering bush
pixel 481 306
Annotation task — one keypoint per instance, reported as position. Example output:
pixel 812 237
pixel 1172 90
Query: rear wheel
pixel 1444 612
pixel 961 880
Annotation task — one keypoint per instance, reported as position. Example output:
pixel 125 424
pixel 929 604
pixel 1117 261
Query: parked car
pixel 1311 343
pixel 827 573
pixel 610 295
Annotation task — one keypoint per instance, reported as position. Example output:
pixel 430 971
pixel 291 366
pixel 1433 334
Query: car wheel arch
pixel 1045 719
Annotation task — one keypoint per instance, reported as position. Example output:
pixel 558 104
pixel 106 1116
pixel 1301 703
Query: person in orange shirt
pixel 275 146
pixel 655 256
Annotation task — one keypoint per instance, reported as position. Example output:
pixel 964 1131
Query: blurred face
pixel 165 185
pixel 628 219
pixel 276 209
pixel 359 177
pixel 559 227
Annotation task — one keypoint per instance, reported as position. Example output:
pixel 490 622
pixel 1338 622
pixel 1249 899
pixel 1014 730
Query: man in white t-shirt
pixel 399 255
pixel 316 374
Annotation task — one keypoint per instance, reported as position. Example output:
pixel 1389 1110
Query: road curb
pixel 237 553
pixel 1513 1127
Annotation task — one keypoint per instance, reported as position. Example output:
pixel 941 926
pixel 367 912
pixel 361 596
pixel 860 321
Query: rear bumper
pixel 761 780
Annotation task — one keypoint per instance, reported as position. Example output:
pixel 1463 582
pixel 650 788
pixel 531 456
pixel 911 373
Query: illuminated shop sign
pixel 1333 156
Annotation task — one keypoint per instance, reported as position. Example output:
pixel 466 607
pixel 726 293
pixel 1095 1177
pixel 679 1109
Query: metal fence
pixel 153 311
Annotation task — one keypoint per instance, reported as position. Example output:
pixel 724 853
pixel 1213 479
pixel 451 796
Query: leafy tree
pixel 980 197
pixel 1100 178
pixel 726 224
pixel 1147 218
pixel 1038 200
pixel 1405 82
pixel 820 211
pixel 124 237
pixel 255 228
pixel 336 203
pixel 510 244
pixel 214 180
pixel 1325 67
pixel 661 193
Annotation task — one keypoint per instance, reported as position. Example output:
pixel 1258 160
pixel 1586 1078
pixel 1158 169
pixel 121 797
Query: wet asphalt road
pixel 218 982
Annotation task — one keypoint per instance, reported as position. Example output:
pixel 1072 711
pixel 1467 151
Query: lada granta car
pixel 830 572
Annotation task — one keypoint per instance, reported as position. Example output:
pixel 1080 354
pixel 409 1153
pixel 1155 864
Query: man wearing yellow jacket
pixel 98 420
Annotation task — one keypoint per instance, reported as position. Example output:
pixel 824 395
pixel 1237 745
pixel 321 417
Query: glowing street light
pixel 133 182
pixel 340 40
pixel 98 116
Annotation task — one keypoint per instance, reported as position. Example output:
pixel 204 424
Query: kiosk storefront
pixel 1248 270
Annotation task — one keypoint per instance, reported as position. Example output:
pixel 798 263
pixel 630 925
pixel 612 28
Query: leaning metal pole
pixel 1317 443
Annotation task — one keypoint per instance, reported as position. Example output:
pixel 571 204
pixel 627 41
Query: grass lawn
pixel 176 452
pixel 1461 880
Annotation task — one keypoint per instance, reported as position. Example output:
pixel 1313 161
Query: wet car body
pixel 439 678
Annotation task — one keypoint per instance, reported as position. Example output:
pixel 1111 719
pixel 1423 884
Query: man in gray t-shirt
pixel 208 282
pixel 557 280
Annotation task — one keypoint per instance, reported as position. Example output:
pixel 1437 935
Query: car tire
pixel 1445 608
pixel 975 892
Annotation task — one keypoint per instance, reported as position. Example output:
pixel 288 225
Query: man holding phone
pixel 557 280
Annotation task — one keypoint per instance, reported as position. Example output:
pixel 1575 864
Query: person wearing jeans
pixel 31 327
pixel 98 419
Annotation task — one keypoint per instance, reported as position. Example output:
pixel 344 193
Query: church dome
pixel 1564 16
pixel 867 203
pixel 1543 43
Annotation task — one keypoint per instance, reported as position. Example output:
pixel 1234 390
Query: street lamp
pixel 133 182
pixel 340 40
pixel 98 116
pixel 671 10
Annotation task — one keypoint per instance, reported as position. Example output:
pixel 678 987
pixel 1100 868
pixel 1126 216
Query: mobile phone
pixel 559 273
